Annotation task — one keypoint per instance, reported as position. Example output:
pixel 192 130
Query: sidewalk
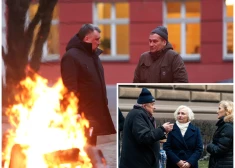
pixel 110 153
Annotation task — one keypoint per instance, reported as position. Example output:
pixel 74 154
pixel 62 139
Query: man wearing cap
pixel 161 64
pixel 140 144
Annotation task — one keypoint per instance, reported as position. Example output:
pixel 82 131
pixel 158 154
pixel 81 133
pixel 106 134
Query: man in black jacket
pixel 83 74
pixel 140 144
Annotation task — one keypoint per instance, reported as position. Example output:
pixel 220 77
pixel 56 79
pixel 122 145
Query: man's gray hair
pixel 87 29
pixel 97 29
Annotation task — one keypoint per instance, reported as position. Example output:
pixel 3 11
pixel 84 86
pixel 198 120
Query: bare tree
pixel 20 38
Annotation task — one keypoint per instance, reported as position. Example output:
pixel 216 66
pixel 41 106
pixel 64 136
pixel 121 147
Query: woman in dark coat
pixel 221 148
pixel 184 143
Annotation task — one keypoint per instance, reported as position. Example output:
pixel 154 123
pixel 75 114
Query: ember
pixel 44 133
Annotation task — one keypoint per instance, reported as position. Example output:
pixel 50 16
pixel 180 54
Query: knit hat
pixel 161 31
pixel 145 97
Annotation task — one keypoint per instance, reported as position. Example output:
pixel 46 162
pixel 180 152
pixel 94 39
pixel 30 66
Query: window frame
pixel 226 20
pixel 183 20
pixel 112 21
pixel 51 57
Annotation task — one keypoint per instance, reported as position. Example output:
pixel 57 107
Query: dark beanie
pixel 161 31
pixel 145 97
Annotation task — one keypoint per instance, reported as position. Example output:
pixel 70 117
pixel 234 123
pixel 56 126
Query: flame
pixel 41 125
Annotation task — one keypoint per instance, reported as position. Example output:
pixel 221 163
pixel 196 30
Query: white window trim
pixel 113 21
pixel 226 56
pixel 183 21
pixel 50 57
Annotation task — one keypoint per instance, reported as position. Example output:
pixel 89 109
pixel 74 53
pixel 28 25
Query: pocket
pixel 166 75
pixel 144 72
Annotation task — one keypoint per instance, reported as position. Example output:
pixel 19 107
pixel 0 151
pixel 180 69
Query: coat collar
pixel 177 134
pixel 220 122
pixel 190 131
pixel 151 119
pixel 75 42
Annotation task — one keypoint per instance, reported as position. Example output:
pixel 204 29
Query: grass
pixel 203 164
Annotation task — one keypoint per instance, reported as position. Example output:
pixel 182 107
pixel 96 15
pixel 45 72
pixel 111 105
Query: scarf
pixel 183 127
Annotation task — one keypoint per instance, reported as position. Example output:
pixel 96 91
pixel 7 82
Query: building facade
pixel 202 99
pixel 200 30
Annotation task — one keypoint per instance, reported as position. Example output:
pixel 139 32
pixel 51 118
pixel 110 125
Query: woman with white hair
pixel 221 148
pixel 184 143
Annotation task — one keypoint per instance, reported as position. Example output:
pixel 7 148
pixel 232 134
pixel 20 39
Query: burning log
pixel 17 157
pixel 70 156
pixel 63 156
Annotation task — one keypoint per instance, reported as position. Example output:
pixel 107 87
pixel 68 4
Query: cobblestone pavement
pixel 110 154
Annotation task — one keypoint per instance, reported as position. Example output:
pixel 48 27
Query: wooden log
pixel 17 157
pixel 59 157
pixel 62 156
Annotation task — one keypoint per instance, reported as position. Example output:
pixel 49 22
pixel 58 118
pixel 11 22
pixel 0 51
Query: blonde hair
pixel 189 111
pixel 228 107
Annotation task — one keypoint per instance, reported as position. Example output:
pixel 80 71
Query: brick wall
pixel 202 99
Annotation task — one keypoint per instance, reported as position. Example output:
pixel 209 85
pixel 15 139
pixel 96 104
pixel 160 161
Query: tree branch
pixel 43 33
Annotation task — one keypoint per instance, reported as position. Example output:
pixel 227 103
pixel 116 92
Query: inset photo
pixel 171 126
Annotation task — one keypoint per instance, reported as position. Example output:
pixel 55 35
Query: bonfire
pixel 46 131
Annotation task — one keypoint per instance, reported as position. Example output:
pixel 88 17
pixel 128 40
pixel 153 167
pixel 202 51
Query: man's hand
pixel 168 127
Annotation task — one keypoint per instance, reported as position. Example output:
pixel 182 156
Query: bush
pixel 203 164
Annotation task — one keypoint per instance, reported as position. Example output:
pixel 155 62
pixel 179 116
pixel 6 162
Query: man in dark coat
pixel 140 144
pixel 83 74
pixel 161 64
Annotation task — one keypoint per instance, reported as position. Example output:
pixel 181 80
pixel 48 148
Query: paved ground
pixel 107 144
pixel 109 151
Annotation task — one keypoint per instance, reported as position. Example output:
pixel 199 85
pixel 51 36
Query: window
pixel 51 46
pixel 113 21
pixel 228 30
pixel 182 19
